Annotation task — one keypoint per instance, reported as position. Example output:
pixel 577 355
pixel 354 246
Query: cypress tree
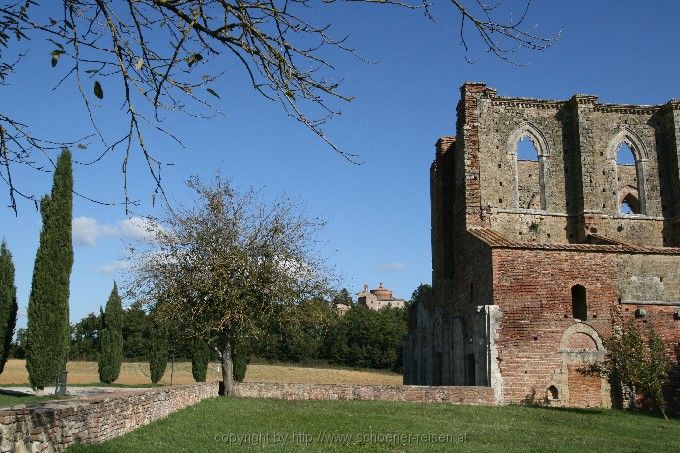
pixel 200 356
pixel 48 334
pixel 241 359
pixel 8 303
pixel 111 339
pixel 158 350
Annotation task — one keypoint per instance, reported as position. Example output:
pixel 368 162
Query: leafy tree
pixel 199 359
pixel 422 294
pixel 85 338
pixel 368 338
pixel 221 268
pixel 19 345
pixel 167 55
pixel 48 338
pixel 135 332
pixel 632 364
pixel 111 339
pixel 343 297
pixel 158 350
pixel 8 303
pixel 305 330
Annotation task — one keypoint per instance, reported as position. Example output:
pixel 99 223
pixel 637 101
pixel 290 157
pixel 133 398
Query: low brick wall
pixel 57 425
pixel 417 393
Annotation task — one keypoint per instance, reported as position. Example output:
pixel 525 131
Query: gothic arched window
pixel 529 149
pixel 628 156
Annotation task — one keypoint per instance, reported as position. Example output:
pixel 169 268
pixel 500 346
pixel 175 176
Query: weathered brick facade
pixel 535 261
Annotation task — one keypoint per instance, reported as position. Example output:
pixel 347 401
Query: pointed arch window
pixel 529 150
pixel 628 156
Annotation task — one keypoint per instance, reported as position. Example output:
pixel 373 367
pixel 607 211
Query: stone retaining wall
pixel 56 425
pixel 449 394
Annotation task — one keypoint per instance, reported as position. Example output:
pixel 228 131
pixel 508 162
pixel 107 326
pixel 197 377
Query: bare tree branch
pixel 166 55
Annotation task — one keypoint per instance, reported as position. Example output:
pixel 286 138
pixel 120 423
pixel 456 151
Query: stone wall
pixel 56 425
pixel 438 394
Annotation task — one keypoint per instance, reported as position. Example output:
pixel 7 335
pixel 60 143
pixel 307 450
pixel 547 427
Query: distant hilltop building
pixel 378 298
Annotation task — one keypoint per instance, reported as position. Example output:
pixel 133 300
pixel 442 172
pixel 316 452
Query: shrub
pixel 631 364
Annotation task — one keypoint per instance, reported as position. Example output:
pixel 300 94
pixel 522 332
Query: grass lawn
pixel 13 400
pixel 253 424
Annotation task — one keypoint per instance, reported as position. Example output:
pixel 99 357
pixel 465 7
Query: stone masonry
pixel 54 426
pixel 535 262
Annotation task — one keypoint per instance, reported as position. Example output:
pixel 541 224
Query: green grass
pixel 211 424
pixel 13 400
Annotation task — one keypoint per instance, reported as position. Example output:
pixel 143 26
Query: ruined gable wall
pixel 506 187
pixel 578 140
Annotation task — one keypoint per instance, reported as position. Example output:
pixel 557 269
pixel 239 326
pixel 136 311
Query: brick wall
pixel 533 290
pixel 55 426
pixel 438 394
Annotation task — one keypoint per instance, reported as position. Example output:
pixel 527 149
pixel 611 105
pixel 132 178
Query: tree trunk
pixel 227 368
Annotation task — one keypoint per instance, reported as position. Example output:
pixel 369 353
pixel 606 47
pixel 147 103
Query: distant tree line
pixel 314 331
pixel 310 332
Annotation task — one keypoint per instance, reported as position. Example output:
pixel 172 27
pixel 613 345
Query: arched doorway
pixel 575 381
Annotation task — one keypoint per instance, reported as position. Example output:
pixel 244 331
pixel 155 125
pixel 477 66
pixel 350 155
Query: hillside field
pixel 137 373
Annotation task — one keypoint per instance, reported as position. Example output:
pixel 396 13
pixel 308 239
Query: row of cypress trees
pixel 48 330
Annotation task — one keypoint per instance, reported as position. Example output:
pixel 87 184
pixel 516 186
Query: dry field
pixel 134 373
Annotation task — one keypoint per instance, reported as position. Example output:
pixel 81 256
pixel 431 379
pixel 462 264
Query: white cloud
pixel 113 267
pixel 391 267
pixel 138 229
pixel 87 230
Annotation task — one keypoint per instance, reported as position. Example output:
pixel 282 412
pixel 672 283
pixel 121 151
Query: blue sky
pixel 377 213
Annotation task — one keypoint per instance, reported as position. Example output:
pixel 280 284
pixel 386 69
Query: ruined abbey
pixel 538 257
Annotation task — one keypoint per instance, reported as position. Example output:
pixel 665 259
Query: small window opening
pixel 552 393
pixel 624 155
pixel 630 205
pixel 579 306
pixel 526 150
